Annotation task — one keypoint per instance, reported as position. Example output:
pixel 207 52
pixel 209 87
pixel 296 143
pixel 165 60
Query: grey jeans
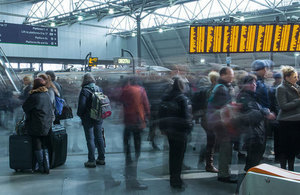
pixel 94 139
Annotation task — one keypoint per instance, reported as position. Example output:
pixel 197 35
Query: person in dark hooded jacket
pixel 252 121
pixel 92 128
pixel 179 126
pixel 37 108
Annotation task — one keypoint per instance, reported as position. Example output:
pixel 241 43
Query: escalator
pixel 10 83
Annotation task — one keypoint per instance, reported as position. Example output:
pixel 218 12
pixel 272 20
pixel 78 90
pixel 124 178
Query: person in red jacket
pixel 136 111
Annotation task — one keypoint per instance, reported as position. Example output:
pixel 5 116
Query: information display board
pixel 122 61
pixel 245 38
pixel 26 34
pixel 93 61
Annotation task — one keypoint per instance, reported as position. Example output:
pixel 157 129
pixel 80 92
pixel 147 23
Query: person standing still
pixel 92 128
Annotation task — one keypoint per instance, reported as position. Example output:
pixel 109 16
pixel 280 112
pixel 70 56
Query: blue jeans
pixel 94 138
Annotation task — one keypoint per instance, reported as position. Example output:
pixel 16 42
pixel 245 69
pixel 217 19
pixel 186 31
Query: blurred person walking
pixel 288 97
pixel 136 110
pixel 221 96
pixel 210 134
pixel 251 121
pixel 92 128
pixel 27 80
pixel 37 108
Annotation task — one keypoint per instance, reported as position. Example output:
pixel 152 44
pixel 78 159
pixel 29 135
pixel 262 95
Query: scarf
pixel 293 86
pixel 39 90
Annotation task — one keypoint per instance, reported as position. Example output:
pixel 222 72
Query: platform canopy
pixel 155 15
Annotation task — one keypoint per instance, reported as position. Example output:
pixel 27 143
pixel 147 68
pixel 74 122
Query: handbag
pixel 66 112
pixel 20 126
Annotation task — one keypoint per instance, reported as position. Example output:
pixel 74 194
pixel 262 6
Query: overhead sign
pixel 245 38
pixel 93 61
pixel 122 61
pixel 26 34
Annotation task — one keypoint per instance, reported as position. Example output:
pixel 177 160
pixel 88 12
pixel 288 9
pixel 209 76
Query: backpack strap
pixel 212 94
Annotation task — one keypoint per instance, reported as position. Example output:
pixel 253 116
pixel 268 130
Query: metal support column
pixel 138 24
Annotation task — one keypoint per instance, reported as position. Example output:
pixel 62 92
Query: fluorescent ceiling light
pixel 52 24
pixel 160 30
pixel 242 18
pixel 111 11
pixel 133 34
pixel 80 18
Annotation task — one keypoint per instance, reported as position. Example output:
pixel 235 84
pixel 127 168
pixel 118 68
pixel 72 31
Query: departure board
pixel 26 34
pixel 245 38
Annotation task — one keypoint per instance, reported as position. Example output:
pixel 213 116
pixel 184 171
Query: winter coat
pixel 289 102
pixel 136 106
pixel 37 108
pixel 262 95
pixel 180 123
pixel 85 101
pixel 251 119
pixel 274 107
pixel 220 97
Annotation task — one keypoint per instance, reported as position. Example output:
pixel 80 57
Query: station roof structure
pixel 155 15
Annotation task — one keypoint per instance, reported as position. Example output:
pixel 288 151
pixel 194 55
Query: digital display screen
pixel 93 61
pixel 122 61
pixel 26 34
pixel 245 38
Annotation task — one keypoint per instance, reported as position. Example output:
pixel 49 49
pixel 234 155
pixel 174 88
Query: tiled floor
pixel 73 178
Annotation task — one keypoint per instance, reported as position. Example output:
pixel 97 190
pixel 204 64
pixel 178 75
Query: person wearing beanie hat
pixel 251 117
pixel 259 65
pixel 37 108
pixel 38 82
pixel 92 128
pixel 260 68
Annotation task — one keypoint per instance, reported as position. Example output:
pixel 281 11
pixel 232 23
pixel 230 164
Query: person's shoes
pixel 185 167
pixel 89 164
pixel 111 184
pixel 211 169
pixel 136 186
pixel 155 147
pixel 230 179
pixel 179 187
pixel 100 162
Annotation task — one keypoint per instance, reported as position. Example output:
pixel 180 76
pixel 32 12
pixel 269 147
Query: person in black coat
pixel 252 121
pixel 92 128
pixel 179 126
pixel 37 108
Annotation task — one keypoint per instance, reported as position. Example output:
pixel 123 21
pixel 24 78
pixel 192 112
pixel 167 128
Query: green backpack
pixel 100 107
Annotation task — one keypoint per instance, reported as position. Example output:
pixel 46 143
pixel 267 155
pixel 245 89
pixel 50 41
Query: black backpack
pixel 199 99
pixel 167 110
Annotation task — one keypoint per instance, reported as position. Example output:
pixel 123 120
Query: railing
pixel 7 71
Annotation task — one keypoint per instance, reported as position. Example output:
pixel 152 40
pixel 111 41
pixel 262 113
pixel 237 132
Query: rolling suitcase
pixel 58 146
pixel 20 152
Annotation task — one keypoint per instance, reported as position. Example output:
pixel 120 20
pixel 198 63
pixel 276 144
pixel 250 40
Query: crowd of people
pixel 236 112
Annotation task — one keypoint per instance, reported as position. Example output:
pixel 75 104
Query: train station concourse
pixel 149 97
